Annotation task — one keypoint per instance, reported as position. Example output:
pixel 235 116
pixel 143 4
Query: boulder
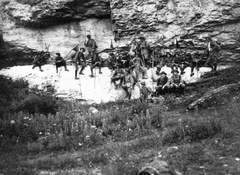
pixel 172 149
pixel 158 167
pixel 93 110
pixel 218 93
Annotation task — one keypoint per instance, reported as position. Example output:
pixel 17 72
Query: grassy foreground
pixel 66 138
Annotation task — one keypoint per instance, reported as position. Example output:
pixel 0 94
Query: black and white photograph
pixel 119 87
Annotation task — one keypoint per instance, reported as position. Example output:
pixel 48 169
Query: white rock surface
pixel 93 90
pixel 62 38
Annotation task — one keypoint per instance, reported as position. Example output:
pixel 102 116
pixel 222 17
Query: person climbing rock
pixel 79 59
pixel 144 51
pixel 213 53
pixel 91 46
pixel 92 54
pixel 59 62
pixel 175 83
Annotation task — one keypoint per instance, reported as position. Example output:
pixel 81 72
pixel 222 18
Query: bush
pixel 16 96
pixel 191 130
pixel 44 104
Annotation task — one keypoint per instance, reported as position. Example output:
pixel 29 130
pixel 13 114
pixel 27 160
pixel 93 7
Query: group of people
pixel 78 58
pixel 128 69
pixel 127 78
pixel 140 58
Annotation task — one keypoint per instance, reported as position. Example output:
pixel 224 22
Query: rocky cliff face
pixel 192 20
pixel 30 26
pixel 64 23
pixel 3 53
pixel 44 13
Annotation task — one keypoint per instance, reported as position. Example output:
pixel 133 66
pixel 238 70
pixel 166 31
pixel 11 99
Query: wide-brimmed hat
pixel 143 83
pixel 58 54
pixel 163 73
pixel 83 49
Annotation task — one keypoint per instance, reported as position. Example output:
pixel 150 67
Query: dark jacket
pixel 162 81
pixel 59 59
pixel 79 57
pixel 91 44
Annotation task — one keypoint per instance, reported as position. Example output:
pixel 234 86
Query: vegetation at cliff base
pixel 66 138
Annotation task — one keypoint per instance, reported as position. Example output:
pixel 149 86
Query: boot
pixel 76 78
pixel 81 71
pixel 91 74
pixel 100 72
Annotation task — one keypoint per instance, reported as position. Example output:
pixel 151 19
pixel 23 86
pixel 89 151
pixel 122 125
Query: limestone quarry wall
pixel 61 38
pixel 192 20
pixel 63 23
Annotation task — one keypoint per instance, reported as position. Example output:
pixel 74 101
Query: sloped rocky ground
pixel 191 153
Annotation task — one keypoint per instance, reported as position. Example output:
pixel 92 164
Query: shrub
pixel 44 104
pixel 191 130
pixel 16 96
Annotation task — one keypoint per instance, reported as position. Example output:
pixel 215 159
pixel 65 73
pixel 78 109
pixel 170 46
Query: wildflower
pixel 93 127
pixel 12 122
pixel 80 144
pixel 40 133
pixel 26 118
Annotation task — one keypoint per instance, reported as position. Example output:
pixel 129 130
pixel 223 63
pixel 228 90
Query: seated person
pixel 59 61
pixel 162 80
pixel 118 74
pixel 175 83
